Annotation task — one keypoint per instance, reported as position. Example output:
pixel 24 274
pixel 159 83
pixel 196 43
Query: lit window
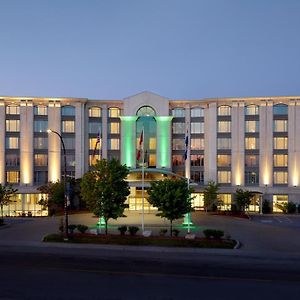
pixel 251 126
pixel 12 125
pixel 280 109
pixel 113 144
pixel 113 112
pixel 178 128
pixel 280 143
pixel 152 143
pixel 41 160
pixel 12 143
pixel 279 199
pixel 146 111
pixel 68 110
pixel 224 143
pixel 251 178
pixel 12 160
pixel 224 126
pixel 177 160
pixel 68 126
pixel 41 143
pixel 224 176
pixel 197 144
pixel 93 142
pixel 178 144
pixel 225 200
pixel 197 112
pixel 251 160
pixel 95 112
pixel 224 110
pixel 197 176
pixel 280 177
pixel 12 177
pixel 280 125
pixel 197 127
pixel 93 159
pixel 223 160
pixel 197 160
pixel 40 110
pixel 178 112
pixel 280 160
pixel 251 110
pixel 12 110
pixel 114 128
pixel 251 143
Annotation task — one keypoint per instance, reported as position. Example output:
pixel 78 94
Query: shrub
pixel 266 208
pixel 213 233
pixel 298 208
pixel 122 229
pixel 1 222
pixel 133 230
pixel 175 232
pixel 163 232
pixel 61 225
pixel 291 207
pixel 82 228
pixel 71 228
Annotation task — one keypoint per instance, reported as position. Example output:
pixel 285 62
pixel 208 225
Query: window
pixel 41 160
pixel 197 176
pixel 252 126
pixel 12 160
pixel 41 143
pixel 224 126
pixel 93 159
pixel 280 109
pixel 197 144
pixel 40 125
pixel 251 110
pixel 251 178
pixel 251 160
pixel 223 160
pixel 280 143
pixel 70 159
pixel 12 110
pixel 280 125
pixel 197 160
pixel 225 199
pixel 12 142
pixel 177 160
pixel 68 110
pixel 114 127
pixel 12 177
pixel 178 112
pixel 146 111
pixel 94 127
pixel 68 126
pixel 251 143
pixel 280 160
pixel 279 199
pixel 95 112
pixel 40 110
pixel 197 112
pixel 280 177
pixel 224 176
pixel 178 128
pixel 197 127
pixel 178 144
pixel 12 125
pixel 40 177
pixel 224 143
pixel 113 112
pixel 93 142
pixel 69 143
pixel 224 110
pixel 113 144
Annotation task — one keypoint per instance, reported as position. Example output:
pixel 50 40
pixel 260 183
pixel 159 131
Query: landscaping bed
pixel 231 214
pixel 143 241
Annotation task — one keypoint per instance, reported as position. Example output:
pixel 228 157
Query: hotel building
pixel 251 143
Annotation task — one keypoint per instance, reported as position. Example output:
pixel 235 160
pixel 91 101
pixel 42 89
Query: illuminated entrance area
pixel 135 200
pixel 279 199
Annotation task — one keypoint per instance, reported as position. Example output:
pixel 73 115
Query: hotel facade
pixel 248 143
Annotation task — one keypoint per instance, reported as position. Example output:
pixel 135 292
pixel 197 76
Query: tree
pixel 243 199
pixel 6 191
pixel 211 195
pixel 105 190
pixel 172 197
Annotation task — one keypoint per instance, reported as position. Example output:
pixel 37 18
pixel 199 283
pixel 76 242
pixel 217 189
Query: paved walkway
pixel 256 237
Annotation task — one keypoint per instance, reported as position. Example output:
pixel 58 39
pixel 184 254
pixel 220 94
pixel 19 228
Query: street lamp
pixel 66 237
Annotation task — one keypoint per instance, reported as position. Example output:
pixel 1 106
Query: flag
pixel 186 142
pixel 97 142
pixel 138 156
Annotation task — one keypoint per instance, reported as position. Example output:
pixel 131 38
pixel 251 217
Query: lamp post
pixel 66 236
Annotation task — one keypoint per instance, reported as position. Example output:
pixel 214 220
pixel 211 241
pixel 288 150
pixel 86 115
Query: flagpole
pixel 143 179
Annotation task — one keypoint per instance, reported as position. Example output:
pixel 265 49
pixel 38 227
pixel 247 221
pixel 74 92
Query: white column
pixel 237 139
pixel 2 142
pixel 54 143
pixel 26 143
pixel 266 144
pixel 293 143
pixel 188 127
pixel 210 142
pixel 79 139
pixel 104 130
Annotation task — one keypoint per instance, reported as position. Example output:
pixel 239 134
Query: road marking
pixel 278 219
pixel 266 221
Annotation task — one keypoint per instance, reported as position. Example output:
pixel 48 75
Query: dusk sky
pixel 180 49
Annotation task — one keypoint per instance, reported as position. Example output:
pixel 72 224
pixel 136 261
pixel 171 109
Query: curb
pixel 4 226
